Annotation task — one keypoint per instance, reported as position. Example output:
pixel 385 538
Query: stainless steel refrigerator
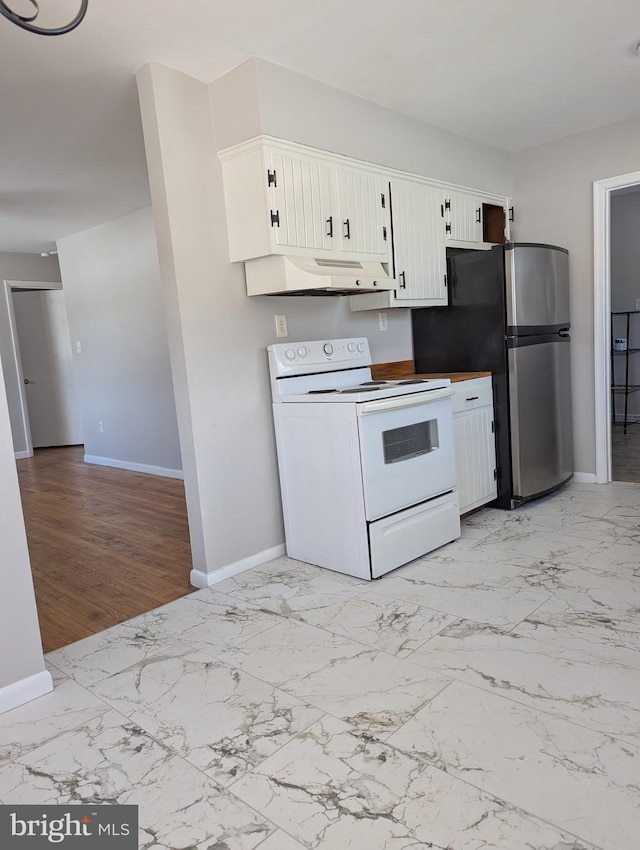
pixel 508 314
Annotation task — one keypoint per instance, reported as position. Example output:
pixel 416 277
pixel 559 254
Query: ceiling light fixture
pixel 27 22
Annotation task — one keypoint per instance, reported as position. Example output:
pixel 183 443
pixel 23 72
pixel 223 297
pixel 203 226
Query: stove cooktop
pixel 368 390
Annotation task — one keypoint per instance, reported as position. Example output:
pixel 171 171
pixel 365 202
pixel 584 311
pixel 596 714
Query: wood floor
pixel 105 544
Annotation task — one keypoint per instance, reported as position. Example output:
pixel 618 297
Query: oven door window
pixel 410 441
pixel 406 455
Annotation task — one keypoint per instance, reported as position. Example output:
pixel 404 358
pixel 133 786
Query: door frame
pixel 9 286
pixel 602 190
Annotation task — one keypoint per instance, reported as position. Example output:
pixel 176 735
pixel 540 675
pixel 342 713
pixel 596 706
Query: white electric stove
pixel 367 468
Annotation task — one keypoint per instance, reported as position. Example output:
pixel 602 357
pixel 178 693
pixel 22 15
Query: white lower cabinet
pixel 474 442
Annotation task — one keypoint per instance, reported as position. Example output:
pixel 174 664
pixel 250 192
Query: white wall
pixel 123 375
pixel 218 335
pixel 300 109
pixel 625 250
pixel 22 675
pixel 625 287
pixel 19 267
pixel 553 193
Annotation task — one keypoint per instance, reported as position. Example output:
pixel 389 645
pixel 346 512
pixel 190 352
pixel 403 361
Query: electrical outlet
pixel 100 426
pixel 281 325
pixel 382 320
pixel 78 348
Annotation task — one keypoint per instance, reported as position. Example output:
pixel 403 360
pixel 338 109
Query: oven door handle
pixel 395 402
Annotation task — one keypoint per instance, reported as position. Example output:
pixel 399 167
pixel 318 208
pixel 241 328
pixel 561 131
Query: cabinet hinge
pixel 271 178
pixel 275 218
pixel 447 228
pixel 511 215
pixel 495 474
pixel 447 204
pixel 384 232
pixel 383 201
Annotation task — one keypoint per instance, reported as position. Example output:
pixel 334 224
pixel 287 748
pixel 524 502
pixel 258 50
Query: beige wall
pixel 553 194
pixel 218 335
pixel 123 375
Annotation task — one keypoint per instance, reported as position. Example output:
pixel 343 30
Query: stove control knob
pixel 290 354
pixel 351 346
pixel 302 351
pixel 328 349
pixel 361 347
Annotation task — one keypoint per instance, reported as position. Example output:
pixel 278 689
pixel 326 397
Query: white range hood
pixel 280 275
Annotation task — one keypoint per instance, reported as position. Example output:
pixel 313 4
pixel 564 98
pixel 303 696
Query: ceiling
pixel 512 73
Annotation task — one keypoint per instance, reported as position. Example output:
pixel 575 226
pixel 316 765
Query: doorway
pixel 602 193
pixel 41 393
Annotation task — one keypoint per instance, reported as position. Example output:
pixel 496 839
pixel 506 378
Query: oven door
pixel 406 450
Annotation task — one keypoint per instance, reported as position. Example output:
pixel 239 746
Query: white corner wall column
pixel 602 190
pixel 22 672
pixel 217 337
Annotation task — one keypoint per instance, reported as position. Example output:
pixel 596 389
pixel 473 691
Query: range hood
pixel 285 275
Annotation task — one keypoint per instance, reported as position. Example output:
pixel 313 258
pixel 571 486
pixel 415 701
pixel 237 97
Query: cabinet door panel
pixel 475 458
pixel 463 214
pixel 420 260
pixel 302 199
pixel 363 220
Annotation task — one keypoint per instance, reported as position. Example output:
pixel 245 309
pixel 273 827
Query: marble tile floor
pixel 484 696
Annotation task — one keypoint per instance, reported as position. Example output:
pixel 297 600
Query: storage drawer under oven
pixel 396 540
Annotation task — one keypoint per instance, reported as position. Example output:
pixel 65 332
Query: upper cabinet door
pixel 463 217
pixel 363 213
pixel 418 242
pixel 300 212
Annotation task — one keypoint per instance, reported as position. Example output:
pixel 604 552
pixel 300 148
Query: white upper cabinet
pixel 362 204
pixel 472 221
pixel 300 201
pixel 419 251
pixel 283 198
pixel 391 228
pixel 463 217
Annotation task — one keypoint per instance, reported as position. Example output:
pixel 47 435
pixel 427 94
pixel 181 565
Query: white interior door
pixel 47 367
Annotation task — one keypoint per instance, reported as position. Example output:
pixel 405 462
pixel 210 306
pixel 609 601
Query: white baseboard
pixel 584 477
pixel 201 579
pixel 11 696
pixel 134 467
pixel 22 455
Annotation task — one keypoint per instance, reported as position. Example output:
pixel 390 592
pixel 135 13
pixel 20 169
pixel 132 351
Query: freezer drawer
pixel 540 417
pixel 398 539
